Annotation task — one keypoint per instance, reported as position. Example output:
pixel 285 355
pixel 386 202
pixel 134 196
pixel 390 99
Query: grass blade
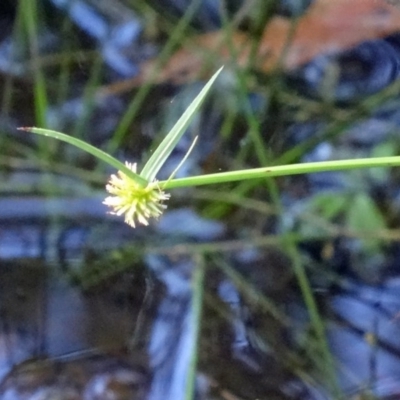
pixel 165 148
pixel 195 326
pixel 100 154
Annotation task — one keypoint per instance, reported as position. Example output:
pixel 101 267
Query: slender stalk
pixel 282 170
pixel 197 309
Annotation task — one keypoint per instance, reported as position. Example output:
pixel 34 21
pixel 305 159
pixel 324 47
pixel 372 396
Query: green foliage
pixel 88 148
pixel 363 216
pixel 261 144
pixel 162 152
pixel 328 205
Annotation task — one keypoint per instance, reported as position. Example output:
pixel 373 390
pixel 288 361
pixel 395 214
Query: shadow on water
pixel 208 296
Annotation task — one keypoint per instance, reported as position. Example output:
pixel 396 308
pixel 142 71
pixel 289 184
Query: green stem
pixel 281 170
pixel 197 309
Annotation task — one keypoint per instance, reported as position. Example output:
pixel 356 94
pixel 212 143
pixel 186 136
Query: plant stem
pixel 281 170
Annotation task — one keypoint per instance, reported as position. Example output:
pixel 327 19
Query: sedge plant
pixel 139 196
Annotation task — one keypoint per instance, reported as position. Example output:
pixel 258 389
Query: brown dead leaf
pixel 328 27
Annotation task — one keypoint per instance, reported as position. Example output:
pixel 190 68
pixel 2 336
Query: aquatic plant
pixel 133 200
pixel 139 196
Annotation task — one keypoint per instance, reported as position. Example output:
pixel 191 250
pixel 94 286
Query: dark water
pixel 91 309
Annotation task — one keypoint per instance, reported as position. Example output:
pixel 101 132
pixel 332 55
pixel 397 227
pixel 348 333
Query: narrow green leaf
pixel 89 149
pixel 364 216
pixel 165 148
pixel 195 326
pixel 328 205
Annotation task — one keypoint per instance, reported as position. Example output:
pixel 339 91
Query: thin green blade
pixel 100 154
pixel 165 148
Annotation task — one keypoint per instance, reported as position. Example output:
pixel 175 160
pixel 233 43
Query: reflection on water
pixel 139 320
pixel 366 337
pixel 173 337
pixel 42 315
pixel 89 378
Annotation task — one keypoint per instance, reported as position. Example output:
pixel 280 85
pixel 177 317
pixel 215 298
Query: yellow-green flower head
pixel 138 203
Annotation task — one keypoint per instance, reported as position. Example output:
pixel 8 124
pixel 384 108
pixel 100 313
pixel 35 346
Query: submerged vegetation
pixel 263 251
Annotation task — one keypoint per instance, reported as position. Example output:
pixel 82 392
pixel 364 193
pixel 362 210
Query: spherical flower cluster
pixel 136 202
